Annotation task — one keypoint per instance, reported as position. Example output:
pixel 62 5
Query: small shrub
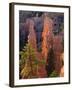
pixel 53 74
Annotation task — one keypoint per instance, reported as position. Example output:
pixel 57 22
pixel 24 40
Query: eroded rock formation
pixel 57 48
pixel 38 33
pixel 32 35
pixel 46 35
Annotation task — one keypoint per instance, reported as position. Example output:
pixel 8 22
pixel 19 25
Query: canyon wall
pixel 38 32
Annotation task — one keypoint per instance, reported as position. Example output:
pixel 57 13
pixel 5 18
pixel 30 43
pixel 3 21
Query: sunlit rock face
pixel 47 30
pixel 62 72
pixel 62 68
pixel 51 41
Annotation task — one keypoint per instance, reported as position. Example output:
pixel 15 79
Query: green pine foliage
pixel 53 74
pixel 28 62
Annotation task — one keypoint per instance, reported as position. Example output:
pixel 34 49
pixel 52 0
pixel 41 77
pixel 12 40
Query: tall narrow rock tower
pixel 47 30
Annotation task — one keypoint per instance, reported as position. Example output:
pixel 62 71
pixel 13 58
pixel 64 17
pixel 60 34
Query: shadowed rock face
pixel 24 31
pixel 57 48
pixel 38 26
pixel 32 35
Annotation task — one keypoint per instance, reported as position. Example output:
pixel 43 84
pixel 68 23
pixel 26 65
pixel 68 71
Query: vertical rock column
pixel 33 45
pixel 45 35
pixel 32 35
pixel 57 47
